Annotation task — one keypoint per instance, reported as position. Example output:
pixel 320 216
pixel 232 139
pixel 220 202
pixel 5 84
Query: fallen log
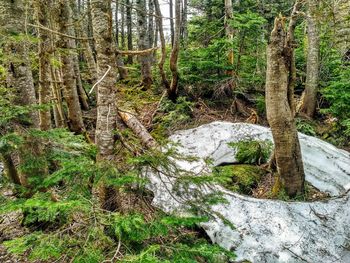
pixel 137 127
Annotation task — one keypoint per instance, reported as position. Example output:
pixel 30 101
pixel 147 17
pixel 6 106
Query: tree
pixel 313 60
pixel 184 29
pixel 19 76
pixel 106 90
pixel 143 43
pixel 172 30
pixel 173 91
pixel 128 4
pixel 280 106
pixel 20 84
pixel 67 47
pixel 229 33
pixel 159 20
pixel 44 50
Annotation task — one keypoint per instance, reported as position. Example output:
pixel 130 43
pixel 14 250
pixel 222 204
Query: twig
pixel 116 252
pixel 100 80
pixel 58 33
pixel 136 52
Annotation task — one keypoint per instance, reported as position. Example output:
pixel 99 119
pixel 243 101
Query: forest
pixel 183 131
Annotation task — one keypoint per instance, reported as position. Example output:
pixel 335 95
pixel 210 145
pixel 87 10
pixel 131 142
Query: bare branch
pixel 136 52
pixel 58 33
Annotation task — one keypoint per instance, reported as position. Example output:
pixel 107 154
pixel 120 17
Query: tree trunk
pixel 87 52
pixel 60 120
pixel 172 30
pixel 161 62
pixel 10 169
pixel 143 44
pixel 107 97
pixel 19 78
pixel 116 18
pixel 106 103
pixel 122 27
pixel 150 23
pixel 79 32
pixel 64 21
pixel 129 29
pixel 173 91
pixel 342 25
pixel 280 113
pixel 184 33
pixel 229 34
pixel 45 47
pixel 313 61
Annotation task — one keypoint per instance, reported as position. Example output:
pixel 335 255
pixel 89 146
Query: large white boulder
pixel 267 230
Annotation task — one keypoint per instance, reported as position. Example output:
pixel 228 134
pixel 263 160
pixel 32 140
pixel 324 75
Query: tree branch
pixel 58 33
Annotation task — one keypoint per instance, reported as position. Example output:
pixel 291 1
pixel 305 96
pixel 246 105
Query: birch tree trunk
pixel 67 46
pixel 313 61
pixel 43 15
pixel 143 44
pixel 280 111
pixel 173 91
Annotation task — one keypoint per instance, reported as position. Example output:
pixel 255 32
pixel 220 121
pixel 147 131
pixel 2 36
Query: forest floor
pixel 162 118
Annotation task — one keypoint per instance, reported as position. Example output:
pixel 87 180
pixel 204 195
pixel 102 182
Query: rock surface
pixel 268 230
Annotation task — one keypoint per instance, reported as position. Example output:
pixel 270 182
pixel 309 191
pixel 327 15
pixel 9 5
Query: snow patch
pixel 268 230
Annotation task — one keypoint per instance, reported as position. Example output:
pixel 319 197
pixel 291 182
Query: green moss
pixel 242 178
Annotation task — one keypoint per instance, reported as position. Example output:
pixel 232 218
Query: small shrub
pixel 305 127
pixel 252 151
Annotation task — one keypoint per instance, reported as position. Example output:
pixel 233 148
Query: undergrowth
pixel 61 209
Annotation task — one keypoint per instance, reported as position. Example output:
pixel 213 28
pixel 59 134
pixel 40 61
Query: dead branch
pixel 58 33
pixel 140 131
pixel 135 52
